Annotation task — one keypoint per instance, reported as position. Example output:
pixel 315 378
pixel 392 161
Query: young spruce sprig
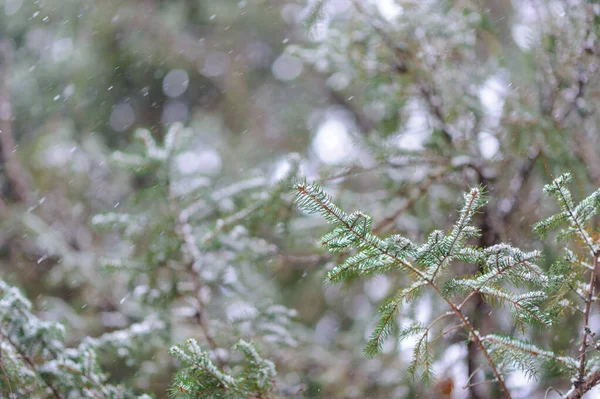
pixel 199 377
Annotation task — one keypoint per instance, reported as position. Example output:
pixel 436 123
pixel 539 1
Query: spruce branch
pixel 30 363
pixel 349 232
pixel 199 377
pixel 576 217
pixel 42 363
pixel 384 327
pixel 502 261
pixel 496 342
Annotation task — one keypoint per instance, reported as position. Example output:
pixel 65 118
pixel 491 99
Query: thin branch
pixel 475 384
pixel 585 386
pixel 447 331
pixel 435 321
pixel 410 202
pixel 401 55
pixel 213 375
pixel 550 389
pixel 455 239
pixel 434 103
pixel 471 376
pixel 363 121
pixel 79 373
pixel 523 175
pixel 586 319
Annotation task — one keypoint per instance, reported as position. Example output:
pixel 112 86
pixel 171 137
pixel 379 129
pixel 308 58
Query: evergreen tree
pixel 150 179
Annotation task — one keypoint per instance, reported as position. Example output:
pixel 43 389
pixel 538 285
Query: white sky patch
pixel 417 130
pixel 332 142
pixel 522 386
pixel 377 288
pixel 523 36
pixel 211 161
pixel 389 9
pixel 69 90
pixel 530 19
pixel 488 145
pixel 492 95
pixel 188 162
pixel 422 314
pixel 62 49
pixel 291 13
pixel 59 155
pixel 411 140
pixel 594 322
pixel 283 166
pixel 452 365
pixel 423 310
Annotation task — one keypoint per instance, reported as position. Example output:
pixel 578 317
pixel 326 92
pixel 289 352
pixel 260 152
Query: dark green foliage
pixel 37 364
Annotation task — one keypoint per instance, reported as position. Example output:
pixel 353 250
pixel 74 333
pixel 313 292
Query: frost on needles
pixel 201 378
pixel 506 276
pixel 204 261
pixel 36 363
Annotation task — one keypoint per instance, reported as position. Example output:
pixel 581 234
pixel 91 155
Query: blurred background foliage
pixel 395 105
